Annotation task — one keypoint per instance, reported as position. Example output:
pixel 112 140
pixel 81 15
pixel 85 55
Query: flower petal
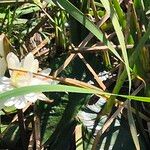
pixel 2 105
pixel 13 61
pixel 5 80
pixel 46 72
pixel 32 97
pixel 42 81
pixel 35 66
pixel 20 103
pixel 2 44
pixel 10 102
pixel 3 66
pixel 36 81
pixel 41 96
pixel 5 84
pixel 53 82
pixel 28 62
pixel 21 80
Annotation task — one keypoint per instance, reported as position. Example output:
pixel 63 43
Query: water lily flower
pixel 3 64
pixel 26 77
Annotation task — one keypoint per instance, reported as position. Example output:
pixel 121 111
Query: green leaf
pixel 123 75
pixel 110 10
pixel 63 88
pixel 10 136
pixel 79 16
pixel 133 127
pixel 44 88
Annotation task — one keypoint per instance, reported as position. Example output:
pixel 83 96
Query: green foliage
pixel 68 30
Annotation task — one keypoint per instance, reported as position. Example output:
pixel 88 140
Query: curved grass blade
pixel 123 76
pixel 113 16
pixel 44 88
pixel 63 88
pixel 133 127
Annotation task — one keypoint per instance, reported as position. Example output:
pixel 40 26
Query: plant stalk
pixel 22 128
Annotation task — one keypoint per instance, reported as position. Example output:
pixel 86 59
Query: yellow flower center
pixel 19 78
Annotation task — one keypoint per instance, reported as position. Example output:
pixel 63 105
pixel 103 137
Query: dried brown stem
pixel 22 128
pixel 37 131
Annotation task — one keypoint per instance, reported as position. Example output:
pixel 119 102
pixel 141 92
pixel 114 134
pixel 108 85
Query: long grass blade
pixel 64 88
pixel 123 76
pixel 110 10
pixel 133 127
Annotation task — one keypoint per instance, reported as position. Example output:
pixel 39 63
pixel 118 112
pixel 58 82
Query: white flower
pixel 19 79
pixel 3 65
